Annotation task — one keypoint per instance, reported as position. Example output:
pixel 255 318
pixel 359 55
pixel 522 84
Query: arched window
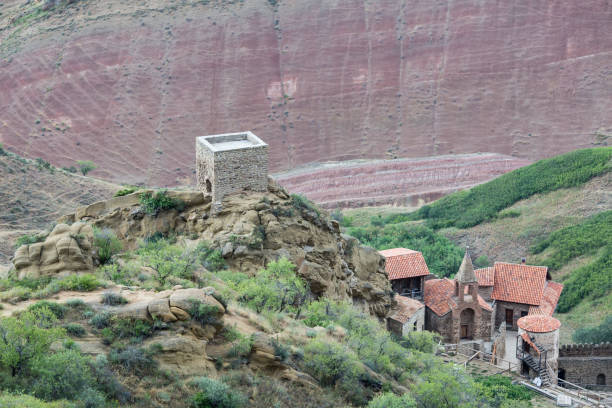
pixel 208 186
pixel 601 379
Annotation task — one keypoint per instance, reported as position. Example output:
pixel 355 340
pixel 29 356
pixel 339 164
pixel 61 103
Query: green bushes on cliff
pixel 470 207
pixel 595 335
pixel 160 201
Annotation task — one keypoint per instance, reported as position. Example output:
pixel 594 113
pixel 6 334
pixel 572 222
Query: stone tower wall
pixel 227 171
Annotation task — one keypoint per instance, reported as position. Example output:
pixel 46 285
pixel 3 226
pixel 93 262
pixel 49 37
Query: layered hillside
pixel 34 194
pixel 130 84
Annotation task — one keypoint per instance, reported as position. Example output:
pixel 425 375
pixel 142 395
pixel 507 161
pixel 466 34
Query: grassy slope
pixel 32 197
pixel 533 219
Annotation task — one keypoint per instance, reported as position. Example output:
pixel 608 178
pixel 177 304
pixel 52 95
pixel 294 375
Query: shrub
pixel 210 258
pixel 154 203
pixel 28 401
pixel 135 330
pixel 107 243
pixel 204 313
pixel 126 191
pixel 70 169
pixel 390 400
pixel 81 283
pixel 482 262
pixel 86 166
pixel 168 261
pixel 76 304
pixel 2 151
pixel 335 365
pixel 75 329
pixel 595 335
pixel 64 374
pixel 424 341
pixel 113 299
pixel 107 381
pixel 276 288
pixel 301 203
pixel 241 348
pixel 55 308
pixel 100 320
pixel 213 393
pixel 133 359
pixel 29 239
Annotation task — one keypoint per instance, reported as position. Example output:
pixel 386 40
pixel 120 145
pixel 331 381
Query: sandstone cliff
pixel 130 84
pixel 253 229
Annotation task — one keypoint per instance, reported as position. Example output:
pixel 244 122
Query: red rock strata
pixel 405 182
pixel 130 84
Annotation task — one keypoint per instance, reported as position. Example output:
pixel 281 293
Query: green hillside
pixel 484 202
pixel 556 212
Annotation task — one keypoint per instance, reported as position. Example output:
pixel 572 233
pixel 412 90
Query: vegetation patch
pixel 107 244
pixel 471 207
pixel 598 334
pixel 125 191
pixel 160 201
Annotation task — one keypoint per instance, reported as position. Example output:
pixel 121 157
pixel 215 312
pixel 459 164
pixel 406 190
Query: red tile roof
pixel 551 295
pixel 485 276
pixel 405 309
pixel 538 323
pixel 404 263
pixel 519 283
pixel 439 296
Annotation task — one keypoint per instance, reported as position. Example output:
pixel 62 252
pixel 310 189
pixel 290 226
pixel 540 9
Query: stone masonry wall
pixel 500 312
pixel 583 363
pixel 230 171
pixel 440 324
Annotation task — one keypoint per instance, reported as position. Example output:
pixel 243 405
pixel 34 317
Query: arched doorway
pixel 561 376
pixel 208 186
pixel 466 330
pixel 601 379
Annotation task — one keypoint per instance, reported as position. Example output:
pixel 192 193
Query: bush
pixel 390 400
pixel 55 308
pixel 482 262
pixel 210 258
pixel 204 313
pixel 117 328
pixel 100 320
pixel 64 374
pixel 424 341
pixel 595 335
pixel 107 243
pixel 133 359
pixel 126 191
pixel 216 394
pixel 465 209
pixel 113 299
pixel 76 304
pixel 81 283
pixel 86 166
pixel 75 329
pixel 336 366
pixel 29 239
pixel 27 401
pixel 301 203
pixel 168 261
pixel 154 203
pixel 276 288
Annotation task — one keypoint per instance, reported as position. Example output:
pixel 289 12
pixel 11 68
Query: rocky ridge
pixel 253 229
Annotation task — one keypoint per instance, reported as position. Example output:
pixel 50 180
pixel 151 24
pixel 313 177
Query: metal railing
pixel 453 347
pixel 412 293
pixel 580 392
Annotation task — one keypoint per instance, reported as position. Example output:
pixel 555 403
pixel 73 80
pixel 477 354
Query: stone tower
pixel 467 316
pixel 231 162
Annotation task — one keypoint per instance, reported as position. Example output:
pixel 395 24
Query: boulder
pixel 160 309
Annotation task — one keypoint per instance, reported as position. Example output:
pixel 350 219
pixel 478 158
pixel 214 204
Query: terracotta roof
pixel 404 263
pixel 405 309
pixel 485 276
pixel 519 283
pixel 466 270
pixel 551 295
pixel 538 323
pixel 439 296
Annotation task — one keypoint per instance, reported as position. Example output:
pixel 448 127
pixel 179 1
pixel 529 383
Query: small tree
pixel 107 243
pixel 25 339
pixel 86 166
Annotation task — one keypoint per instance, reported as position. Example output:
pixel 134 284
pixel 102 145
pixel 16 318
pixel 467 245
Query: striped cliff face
pixel 130 85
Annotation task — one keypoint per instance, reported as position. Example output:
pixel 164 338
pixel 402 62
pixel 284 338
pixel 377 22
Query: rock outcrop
pixel 253 229
pixel 66 250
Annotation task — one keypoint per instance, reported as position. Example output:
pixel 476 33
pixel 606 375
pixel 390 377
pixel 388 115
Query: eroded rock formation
pixel 253 229
pixel 66 250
